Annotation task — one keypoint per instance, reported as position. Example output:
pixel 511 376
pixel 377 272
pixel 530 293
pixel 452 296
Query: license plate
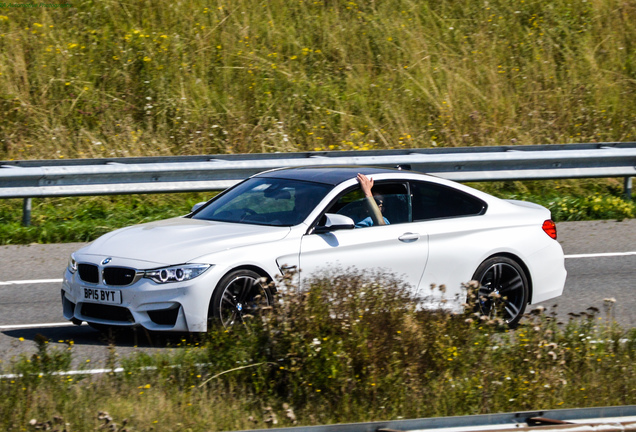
pixel 102 295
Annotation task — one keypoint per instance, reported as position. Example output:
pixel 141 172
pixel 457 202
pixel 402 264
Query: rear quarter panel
pixel 457 246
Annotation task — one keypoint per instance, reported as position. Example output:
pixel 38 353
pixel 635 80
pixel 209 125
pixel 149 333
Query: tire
pixel 503 289
pixel 239 293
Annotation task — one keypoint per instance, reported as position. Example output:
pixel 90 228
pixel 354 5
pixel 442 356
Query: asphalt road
pixel 600 259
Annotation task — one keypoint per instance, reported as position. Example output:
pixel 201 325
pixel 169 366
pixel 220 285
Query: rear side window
pixel 434 201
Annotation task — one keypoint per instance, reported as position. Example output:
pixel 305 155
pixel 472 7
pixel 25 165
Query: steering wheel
pixel 247 212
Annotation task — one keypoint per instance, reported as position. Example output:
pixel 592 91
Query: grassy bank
pixel 106 78
pixel 351 349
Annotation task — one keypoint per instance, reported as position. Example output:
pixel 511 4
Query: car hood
pixel 179 240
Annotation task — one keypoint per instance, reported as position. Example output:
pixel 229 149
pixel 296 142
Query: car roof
pixel 331 175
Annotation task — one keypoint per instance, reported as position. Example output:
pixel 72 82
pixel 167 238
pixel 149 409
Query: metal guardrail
pixel 605 419
pixel 48 178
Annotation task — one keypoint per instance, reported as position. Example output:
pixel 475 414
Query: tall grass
pixel 110 78
pixel 351 348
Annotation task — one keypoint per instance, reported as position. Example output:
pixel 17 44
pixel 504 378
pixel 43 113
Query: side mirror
pixel 197 206
pixel 332 222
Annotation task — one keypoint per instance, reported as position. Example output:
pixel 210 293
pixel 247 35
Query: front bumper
pixel 176 307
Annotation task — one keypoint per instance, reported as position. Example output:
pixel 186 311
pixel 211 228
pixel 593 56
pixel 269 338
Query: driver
pixel 375 204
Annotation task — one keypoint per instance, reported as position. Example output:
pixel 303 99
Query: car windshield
pixel 265 201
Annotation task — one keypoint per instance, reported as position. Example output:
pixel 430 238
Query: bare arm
pixel 366 184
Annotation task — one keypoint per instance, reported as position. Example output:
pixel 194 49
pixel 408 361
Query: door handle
pixel 409 237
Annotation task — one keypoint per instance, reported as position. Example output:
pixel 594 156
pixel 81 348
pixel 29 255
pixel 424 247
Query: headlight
pixel 176 273
pixel 72 264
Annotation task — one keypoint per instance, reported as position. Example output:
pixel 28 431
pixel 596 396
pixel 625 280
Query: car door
pixel 397 248
pixel 457 232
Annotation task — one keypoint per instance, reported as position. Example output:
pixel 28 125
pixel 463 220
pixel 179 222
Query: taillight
pixel 550 228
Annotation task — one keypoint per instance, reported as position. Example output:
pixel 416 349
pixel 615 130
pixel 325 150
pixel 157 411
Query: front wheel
pixel 503 289
pixel 238 294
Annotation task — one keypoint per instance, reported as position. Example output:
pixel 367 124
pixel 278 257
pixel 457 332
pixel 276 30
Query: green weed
pixel 105 78
pixel 350 348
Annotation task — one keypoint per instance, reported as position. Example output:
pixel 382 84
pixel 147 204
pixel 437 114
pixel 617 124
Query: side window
pixel 391 198
pixel 433 201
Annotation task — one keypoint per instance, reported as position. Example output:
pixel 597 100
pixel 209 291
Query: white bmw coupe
pixel 212 265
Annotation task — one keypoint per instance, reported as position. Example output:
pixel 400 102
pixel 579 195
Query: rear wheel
pixel 239 293
pixel 503 289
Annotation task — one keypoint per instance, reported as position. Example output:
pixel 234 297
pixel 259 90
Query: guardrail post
pixel 628 188
pixel 26 212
